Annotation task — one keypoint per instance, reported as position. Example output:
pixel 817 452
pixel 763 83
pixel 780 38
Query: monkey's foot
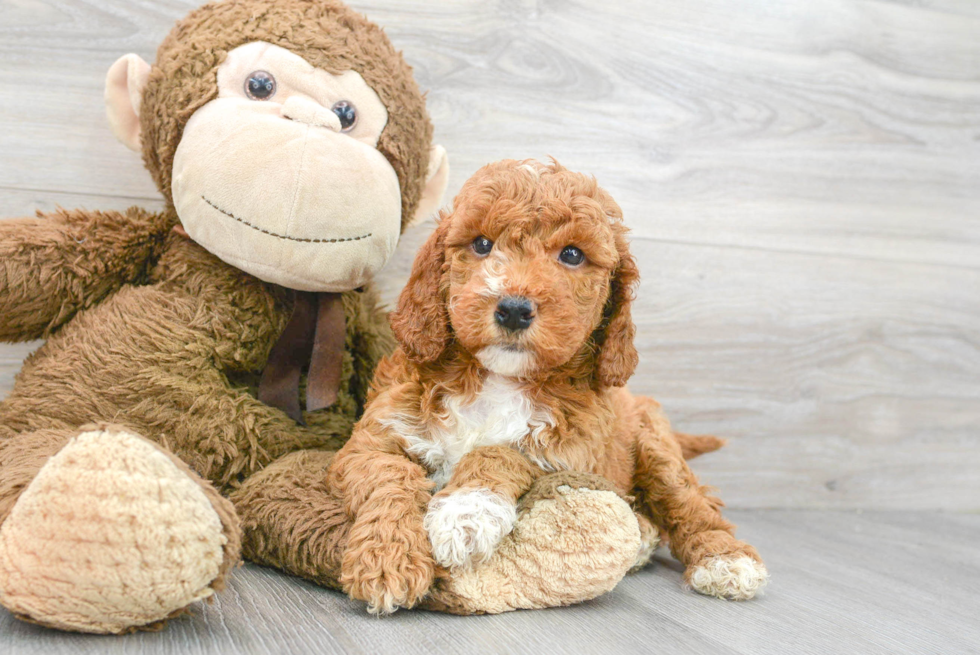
pixel 114 534
pixel 574 539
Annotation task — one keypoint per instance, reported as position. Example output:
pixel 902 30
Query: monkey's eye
pixel 347 113
pixel 571 256
pixel 260 86
pixel 482 246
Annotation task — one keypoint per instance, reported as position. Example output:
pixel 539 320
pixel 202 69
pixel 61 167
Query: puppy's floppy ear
pixel 617 357
pixel 421 322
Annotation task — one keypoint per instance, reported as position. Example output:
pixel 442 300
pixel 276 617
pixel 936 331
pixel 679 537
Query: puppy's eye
pixel 572 256
pixel 347 114
pixel 482 246
pixel 260 86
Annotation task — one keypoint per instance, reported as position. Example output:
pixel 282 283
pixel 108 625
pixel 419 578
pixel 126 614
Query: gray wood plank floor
pixel 843 582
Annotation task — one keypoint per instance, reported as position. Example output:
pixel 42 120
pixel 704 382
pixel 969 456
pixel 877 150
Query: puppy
pixel 516 343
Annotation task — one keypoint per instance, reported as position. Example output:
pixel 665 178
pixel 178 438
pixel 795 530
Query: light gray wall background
pixel 802 179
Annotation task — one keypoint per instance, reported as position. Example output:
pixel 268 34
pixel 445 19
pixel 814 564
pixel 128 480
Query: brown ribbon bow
pixel 315 336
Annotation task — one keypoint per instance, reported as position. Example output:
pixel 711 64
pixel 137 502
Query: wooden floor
pixel 802 178
pixel 843 582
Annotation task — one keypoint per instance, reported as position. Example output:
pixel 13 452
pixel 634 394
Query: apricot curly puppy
pixel 516 340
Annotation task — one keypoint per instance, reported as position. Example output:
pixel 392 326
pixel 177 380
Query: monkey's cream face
pixel 280 175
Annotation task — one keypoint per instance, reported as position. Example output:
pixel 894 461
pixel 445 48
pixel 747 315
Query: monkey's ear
pixel 123 94
pixel 436 181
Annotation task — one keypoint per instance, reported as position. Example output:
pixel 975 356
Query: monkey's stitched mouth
pixel 283 236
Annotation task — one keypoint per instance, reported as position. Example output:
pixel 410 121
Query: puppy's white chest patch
pixel 501 415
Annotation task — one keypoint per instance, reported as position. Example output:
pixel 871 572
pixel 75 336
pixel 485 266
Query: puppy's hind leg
pixel 717 564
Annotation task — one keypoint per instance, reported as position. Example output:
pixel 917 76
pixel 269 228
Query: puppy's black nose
pixel 514 313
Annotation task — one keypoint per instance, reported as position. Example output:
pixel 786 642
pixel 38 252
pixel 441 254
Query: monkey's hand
pixel 61 262
pixel 388 562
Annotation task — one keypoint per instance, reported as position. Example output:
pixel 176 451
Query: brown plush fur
pixel 294 521
pixel 579 350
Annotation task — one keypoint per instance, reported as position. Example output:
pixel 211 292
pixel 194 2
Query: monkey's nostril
pixel 514 313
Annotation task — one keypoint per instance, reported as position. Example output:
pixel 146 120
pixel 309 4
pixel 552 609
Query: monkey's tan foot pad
pixel 564 549
pixel 110 536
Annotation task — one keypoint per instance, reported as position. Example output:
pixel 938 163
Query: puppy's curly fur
pixel 482 408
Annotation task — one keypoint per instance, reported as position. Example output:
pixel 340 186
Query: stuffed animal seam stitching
pixel 281 236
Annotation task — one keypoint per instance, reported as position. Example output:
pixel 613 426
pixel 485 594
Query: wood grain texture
pixel 843 582
pixel 802 180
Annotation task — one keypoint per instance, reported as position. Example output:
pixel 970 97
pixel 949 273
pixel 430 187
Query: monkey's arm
pixel 61 262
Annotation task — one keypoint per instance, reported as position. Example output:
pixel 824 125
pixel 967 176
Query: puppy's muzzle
pixel 514 313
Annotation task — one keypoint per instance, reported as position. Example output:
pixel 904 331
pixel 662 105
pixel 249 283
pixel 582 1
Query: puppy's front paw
pixel 732 578
pixel 400 583
pixel 466 526
pixel 388 567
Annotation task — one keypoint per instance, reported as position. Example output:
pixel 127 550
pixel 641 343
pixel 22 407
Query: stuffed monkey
pixel 201 363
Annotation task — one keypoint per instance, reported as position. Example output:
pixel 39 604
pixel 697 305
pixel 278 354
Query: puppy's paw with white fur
pixel 731 578
pixel 466 526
